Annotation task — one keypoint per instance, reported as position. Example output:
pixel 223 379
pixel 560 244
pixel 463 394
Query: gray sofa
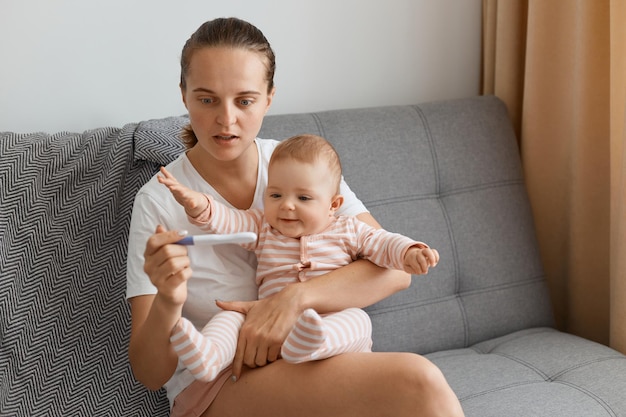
pixel 446 172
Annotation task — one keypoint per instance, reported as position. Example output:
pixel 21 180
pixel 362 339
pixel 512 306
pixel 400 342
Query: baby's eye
pixel 304 198
pixel 274 195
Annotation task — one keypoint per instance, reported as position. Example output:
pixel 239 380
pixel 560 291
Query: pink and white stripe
pixel 205 354
pixel 315 337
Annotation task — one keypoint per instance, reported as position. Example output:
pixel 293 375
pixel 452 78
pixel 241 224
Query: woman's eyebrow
pixel 241 93
pixel 250 93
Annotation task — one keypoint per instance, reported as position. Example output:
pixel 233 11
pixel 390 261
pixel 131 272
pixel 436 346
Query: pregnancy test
pixel 242 237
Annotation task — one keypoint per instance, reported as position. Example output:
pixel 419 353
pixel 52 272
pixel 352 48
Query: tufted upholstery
pixel 447 173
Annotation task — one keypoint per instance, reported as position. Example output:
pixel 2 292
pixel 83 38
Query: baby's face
pixel 300 198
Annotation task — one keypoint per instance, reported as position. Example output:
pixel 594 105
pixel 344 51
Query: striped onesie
pixel 281 261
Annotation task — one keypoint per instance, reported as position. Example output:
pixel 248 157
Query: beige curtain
pixel 560 67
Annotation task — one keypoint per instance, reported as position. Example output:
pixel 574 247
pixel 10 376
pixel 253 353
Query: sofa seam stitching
pixel 590 394
pixel 438 197
pixel 320 126
pixel 598 400
pixel 441 195
pixel 456 296
pixel 584 364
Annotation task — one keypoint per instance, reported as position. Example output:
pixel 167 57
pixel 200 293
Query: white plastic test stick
pixel 243 237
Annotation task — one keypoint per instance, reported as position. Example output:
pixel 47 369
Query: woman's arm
pixel 152 359
pixel 268 321
pixel 358 284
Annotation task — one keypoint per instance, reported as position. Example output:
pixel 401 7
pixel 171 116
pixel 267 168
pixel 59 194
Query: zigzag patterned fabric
pixel 65 205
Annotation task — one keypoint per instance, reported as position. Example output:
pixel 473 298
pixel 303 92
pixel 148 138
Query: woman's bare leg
pixel 352 384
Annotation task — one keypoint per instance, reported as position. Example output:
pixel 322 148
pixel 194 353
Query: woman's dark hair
pixel 230 32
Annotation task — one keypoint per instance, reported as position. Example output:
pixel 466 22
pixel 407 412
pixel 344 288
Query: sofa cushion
pixel 536 372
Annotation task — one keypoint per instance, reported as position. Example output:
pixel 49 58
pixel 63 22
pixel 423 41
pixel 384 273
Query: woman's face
pixel 226 96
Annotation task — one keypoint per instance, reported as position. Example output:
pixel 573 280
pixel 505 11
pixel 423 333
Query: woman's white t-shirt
pixel 223 272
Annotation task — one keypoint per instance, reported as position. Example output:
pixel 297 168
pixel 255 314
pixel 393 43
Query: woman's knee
pixel 424 384
pixel 421 372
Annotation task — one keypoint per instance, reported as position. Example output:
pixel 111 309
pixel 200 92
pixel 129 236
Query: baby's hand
pixel 417 260
pixel 194 202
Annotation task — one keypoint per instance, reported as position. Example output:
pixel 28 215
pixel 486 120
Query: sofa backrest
pixel 447 173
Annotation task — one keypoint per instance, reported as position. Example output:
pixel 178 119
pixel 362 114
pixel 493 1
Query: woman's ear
pixel 270 99
pixel 182 93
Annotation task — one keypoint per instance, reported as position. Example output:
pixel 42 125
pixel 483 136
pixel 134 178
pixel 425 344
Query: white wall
pixel 80 64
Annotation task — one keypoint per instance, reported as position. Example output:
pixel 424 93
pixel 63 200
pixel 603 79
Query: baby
pixel 299 237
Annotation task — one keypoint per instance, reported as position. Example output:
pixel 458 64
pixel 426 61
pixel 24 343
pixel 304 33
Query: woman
pixel 227 70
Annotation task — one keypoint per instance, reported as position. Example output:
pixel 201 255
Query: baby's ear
pixel 336 203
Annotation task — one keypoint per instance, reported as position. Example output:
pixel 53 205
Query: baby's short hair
pixel 309 149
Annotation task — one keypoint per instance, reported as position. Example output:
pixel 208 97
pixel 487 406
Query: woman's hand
pixel 167 265
pixel 267 324
pixel 153 316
